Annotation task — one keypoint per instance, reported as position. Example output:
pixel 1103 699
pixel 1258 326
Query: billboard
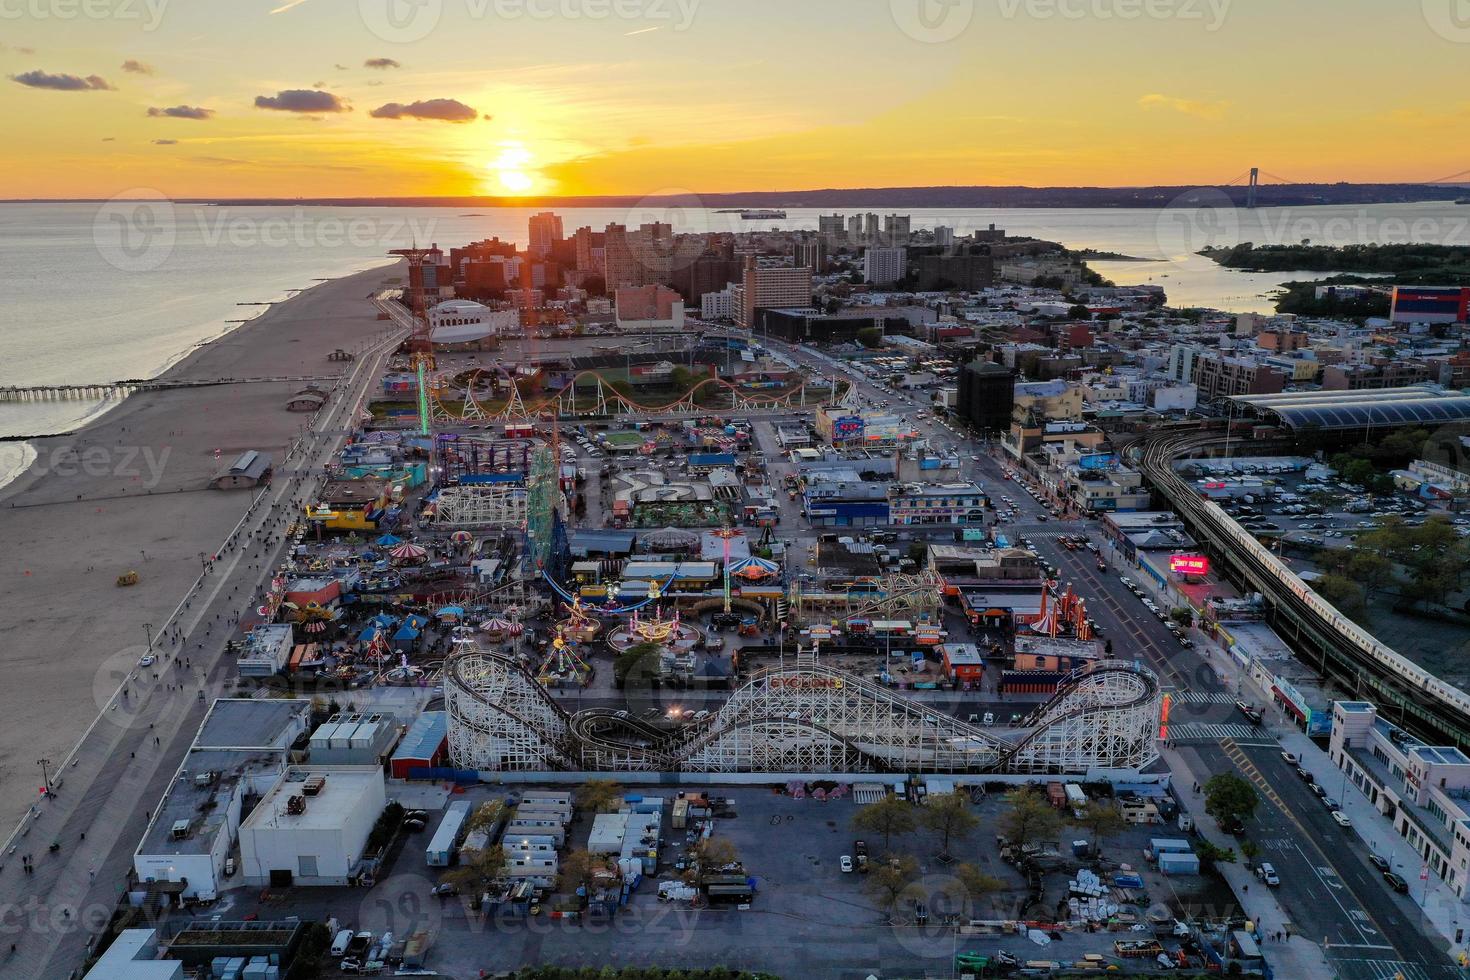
pixel 1189 564
pixel 1097 461
pixel 1430 304
pixel 848 427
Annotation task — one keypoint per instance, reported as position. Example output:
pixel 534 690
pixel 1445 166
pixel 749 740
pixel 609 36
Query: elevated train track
pixel 1340 649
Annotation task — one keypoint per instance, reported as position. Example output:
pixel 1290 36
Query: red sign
pixel 1189 564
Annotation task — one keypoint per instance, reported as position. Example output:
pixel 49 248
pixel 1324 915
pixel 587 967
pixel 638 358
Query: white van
pixel 340 944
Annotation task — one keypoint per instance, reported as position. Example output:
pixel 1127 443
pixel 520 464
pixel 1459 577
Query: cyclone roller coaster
pixel 591 395
pixel 802 717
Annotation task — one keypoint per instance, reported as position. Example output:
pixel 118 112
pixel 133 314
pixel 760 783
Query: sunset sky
pixel 285 98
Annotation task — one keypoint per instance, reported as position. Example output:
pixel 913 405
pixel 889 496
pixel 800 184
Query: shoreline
pixel 176 361
pixel 128 491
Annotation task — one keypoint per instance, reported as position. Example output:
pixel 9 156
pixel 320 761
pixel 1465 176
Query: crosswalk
pixel 1371 969
pixel 1201 697
pixel 1211 732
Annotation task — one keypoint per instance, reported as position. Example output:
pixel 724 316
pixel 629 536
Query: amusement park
pixel 603 576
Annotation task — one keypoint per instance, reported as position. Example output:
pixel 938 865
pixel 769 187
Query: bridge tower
pixel 1250 192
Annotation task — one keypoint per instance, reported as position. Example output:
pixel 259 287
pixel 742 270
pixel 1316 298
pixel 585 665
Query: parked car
pixel 1341 818
pixel 1380 862
pixel 1396 882
pixel 1266 873
pixel 846 864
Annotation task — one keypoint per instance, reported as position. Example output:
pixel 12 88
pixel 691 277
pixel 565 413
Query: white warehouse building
pixel 311 828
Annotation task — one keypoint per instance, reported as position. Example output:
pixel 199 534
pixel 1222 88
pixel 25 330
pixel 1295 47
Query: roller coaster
pixel 804 717
pixel 1338 647
pixel 589 394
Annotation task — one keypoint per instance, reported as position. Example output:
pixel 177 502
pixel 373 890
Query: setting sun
pixel 512 168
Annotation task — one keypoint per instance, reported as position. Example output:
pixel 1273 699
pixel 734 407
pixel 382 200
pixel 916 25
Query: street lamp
pixel 45 765
pixel 148 632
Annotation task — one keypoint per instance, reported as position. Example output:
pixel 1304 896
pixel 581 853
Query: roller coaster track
pixel 598 398
pixel 1430 707
pixel 801 718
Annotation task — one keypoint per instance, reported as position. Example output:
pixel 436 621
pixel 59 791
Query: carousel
pixel 669 633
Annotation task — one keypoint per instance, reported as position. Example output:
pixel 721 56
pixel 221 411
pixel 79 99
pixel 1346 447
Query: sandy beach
pixel 130 492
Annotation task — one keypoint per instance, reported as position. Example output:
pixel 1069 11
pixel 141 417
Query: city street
pixel 1329 892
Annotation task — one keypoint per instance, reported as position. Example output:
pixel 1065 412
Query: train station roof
pixel 1418 405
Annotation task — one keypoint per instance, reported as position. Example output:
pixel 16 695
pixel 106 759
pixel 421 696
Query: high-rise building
pixel 831 225
pixel 896 229
pixel 545 229
pixel 872 230
pixel 971 268
pixel 587 242
pixel 855 229
pixel 811 253
pixel 771 287
pixel 710 272
pixel 884 266
pixel 943 238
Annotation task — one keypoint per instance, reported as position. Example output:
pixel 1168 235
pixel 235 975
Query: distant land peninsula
pixel 1272 195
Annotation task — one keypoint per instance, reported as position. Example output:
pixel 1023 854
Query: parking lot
pixel 810 918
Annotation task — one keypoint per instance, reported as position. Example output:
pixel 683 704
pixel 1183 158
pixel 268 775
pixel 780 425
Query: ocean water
pixel 101 292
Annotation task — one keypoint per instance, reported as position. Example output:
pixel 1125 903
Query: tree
pixel 890 879
pixel 710 855
pixel 577 869
pixel 1249 849
pixel 486 816
pixel 639 664
pixel 870 337
pixel 477 870
pixel 1079 312
pixel 1343 593
pixel 1370 570
pixel 1182 615
pixel 1229 797
pixel 1030 817
pixel 1100 819
pixel 599 796
pixel 890 815
pixel 949 816
pixel 975 885
pixel 1210 855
